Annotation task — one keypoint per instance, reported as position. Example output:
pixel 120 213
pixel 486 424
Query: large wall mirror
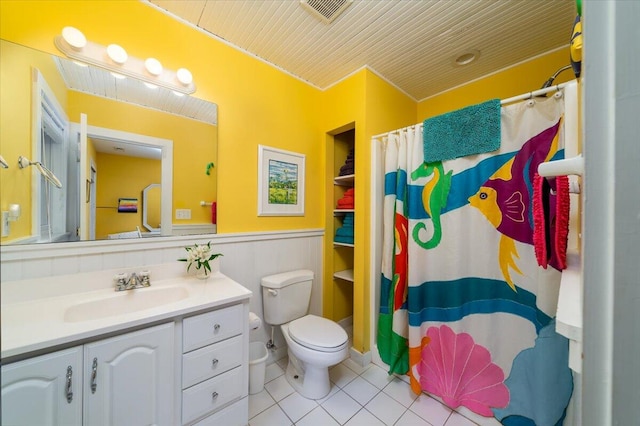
pixel 96 144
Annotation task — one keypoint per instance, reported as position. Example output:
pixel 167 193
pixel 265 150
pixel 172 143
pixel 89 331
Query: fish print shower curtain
pixel 465 310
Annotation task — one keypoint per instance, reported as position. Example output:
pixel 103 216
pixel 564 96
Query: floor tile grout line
pixel 379 390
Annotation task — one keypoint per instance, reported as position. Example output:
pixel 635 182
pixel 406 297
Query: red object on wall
pixel 214 213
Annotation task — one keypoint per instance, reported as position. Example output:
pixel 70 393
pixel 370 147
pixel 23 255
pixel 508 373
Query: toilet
pixel 314 343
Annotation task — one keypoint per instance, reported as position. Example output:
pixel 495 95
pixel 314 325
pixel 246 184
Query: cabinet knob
pixel 214 362
pixel 216 327
pixel 214 395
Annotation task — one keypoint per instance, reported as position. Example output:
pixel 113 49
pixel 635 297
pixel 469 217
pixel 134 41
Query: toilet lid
pixel 317 333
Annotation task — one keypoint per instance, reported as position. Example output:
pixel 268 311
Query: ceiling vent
pixel 325 10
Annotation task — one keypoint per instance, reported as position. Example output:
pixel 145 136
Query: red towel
pixel 214 213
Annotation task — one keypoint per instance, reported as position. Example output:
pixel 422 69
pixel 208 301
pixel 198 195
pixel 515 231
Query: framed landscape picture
pixel 280 182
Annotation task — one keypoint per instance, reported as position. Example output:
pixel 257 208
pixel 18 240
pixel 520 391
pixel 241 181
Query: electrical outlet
pixel 183 213
pixel 5 224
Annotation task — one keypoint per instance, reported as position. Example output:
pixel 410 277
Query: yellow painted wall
pixel 15 126
pixel 513 81
pixel 369 104
pixel 342 110
pixel 194 145
pixel 121 177
pixel 258 104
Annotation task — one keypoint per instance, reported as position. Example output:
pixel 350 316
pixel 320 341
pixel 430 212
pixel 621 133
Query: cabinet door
pixel 129 379
pixel 45 390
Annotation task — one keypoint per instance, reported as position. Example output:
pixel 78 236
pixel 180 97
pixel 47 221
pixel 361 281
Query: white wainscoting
pixel 247 257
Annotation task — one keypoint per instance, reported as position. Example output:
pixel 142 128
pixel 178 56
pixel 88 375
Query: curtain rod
pixel 522 97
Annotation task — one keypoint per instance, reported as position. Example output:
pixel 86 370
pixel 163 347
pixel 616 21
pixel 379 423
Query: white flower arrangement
pixel 200 256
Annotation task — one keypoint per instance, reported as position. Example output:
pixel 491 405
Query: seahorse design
pixel 434 199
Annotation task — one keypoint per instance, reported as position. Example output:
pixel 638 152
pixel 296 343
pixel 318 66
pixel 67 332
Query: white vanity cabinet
pixel 129 378
pixel 45 390
pixel 215 367
pixel 132 383
pixel 185 361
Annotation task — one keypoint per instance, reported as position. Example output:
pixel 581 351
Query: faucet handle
pixel 121 281
pixel 145 278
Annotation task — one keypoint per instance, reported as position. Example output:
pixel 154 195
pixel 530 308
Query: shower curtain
pixel 465 310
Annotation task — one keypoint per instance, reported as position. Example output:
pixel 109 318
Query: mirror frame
pixel 145 211
pixel 166 179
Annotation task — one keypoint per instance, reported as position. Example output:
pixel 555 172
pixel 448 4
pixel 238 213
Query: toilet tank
pixel 286 296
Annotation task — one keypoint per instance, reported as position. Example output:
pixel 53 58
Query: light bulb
pixel 117 54
pixel 153 66
pixel 184 76
pixel 74 37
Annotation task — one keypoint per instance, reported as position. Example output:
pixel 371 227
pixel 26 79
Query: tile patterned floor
pixel 364 396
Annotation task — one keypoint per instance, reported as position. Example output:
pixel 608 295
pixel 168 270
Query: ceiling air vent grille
pixel 325 10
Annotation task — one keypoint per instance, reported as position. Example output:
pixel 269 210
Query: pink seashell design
pixel 460 371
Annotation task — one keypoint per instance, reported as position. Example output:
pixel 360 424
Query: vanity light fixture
pixel 154 67
pixel 117 54
pixel 74 38
pixel 115 59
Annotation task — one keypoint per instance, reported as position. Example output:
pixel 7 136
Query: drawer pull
pixel 68 389
pixel 214 396
pixel 94 374
pixel 216 327
pixel 214 363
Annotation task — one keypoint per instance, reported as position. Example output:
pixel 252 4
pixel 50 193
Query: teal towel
pixel 471 130
pixel 345 231
pixel 341 239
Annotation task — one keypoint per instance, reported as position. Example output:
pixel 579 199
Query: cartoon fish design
pixel 505 198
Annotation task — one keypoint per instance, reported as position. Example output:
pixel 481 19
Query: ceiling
pixel 411 43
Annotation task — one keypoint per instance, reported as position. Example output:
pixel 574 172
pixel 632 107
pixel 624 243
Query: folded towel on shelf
pixel 344 240
pixel 468 131
pixel 344 204
pixel 345 231
pixel 346 170
pixel 347 201
pixel 348 167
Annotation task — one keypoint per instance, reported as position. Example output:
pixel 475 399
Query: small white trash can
pixel 257 366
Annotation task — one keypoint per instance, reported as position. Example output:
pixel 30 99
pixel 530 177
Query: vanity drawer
pixel 208 396
pixel 204 329
pixel 211 360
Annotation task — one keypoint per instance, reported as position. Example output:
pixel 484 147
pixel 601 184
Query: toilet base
pixel 310 382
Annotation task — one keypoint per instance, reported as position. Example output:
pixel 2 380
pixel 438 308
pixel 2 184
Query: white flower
pixel 199 255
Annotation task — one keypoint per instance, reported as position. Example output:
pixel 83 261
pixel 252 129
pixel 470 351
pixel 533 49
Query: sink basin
pixel 124 302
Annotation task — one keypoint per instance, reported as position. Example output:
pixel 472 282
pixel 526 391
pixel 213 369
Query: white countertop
pixel 34 325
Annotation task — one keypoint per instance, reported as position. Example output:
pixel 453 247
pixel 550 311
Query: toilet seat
pixel 318 333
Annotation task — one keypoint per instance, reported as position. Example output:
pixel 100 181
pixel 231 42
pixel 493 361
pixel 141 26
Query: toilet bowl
pixel 314 343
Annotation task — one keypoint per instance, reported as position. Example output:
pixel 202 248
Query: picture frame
pixel 280 182
pixel 127 205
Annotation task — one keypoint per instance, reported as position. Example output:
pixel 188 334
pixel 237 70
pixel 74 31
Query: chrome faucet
pixel 132 281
